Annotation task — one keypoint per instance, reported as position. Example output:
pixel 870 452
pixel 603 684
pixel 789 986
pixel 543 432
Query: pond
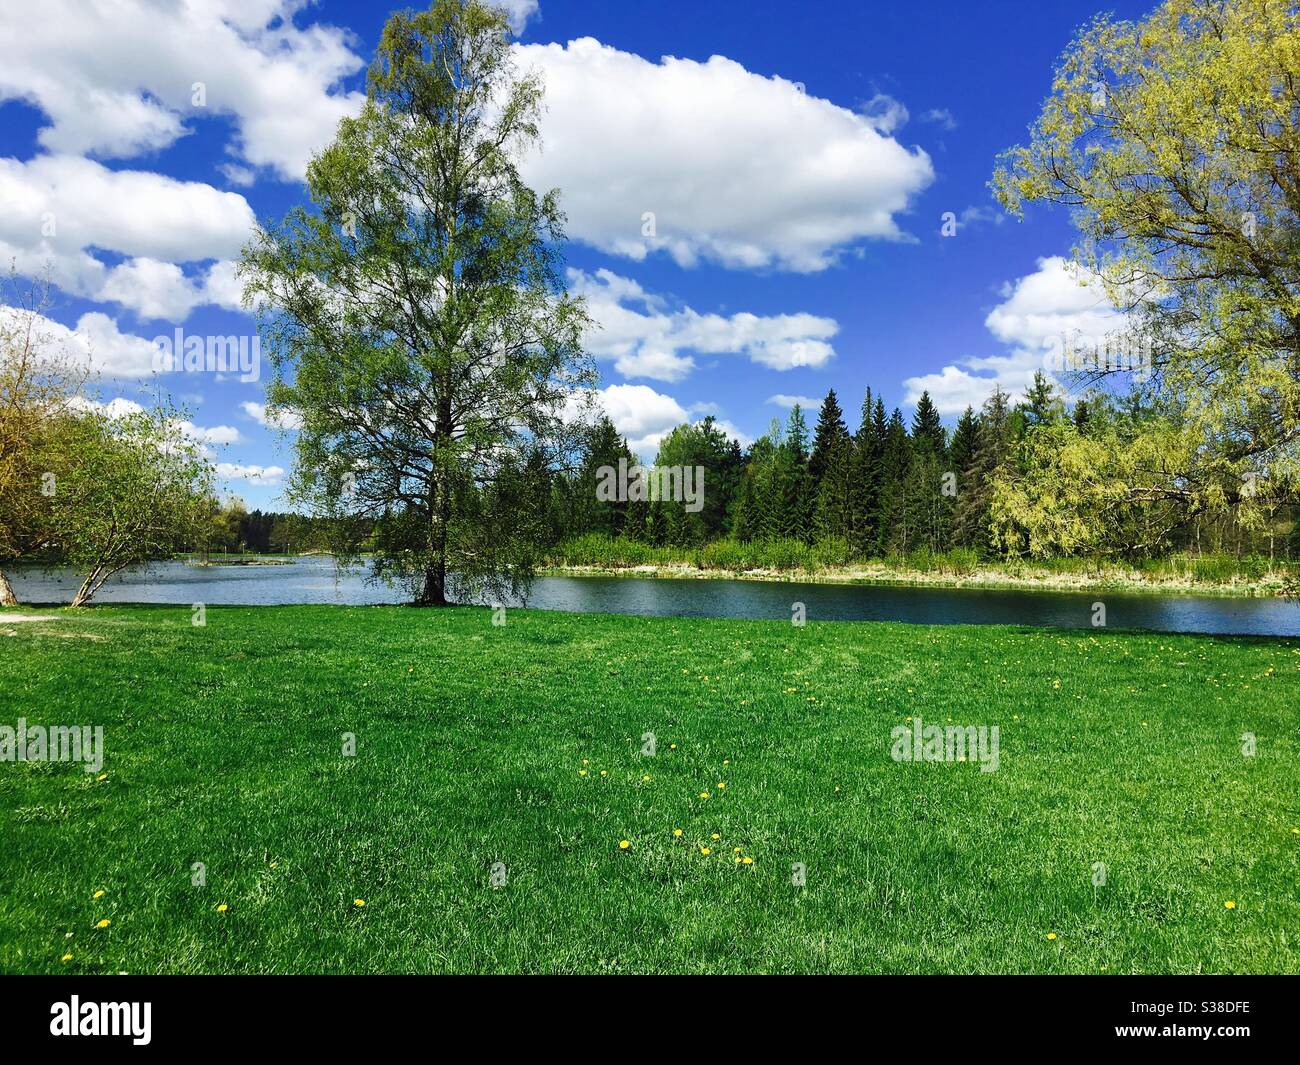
pixel 316 580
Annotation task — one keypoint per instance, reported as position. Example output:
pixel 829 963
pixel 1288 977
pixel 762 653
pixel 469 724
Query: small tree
pixel 129 489
pixel 38 381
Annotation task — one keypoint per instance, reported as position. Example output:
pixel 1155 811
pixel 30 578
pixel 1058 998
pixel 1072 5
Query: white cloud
pixel 264 418
pixel 885 113
pixel 520 11
pixel 118 79
pixel 978 215
pixel 941 117
pixel 59 211
pixel 783 400
pixel 97 341
pixel 206 437
pixel 1054 303
pixel 641 414
pixel 118 407
pixel 262 476
pixel 1042 314
pixel 644 417
pixel 745 170
pixel 217 435
pixel 645 338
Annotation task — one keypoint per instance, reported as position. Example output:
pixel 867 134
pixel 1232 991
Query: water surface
pixel 317 580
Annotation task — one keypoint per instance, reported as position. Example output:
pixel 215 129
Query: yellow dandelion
pixel 103 922
pixel 1230 905
pixel 98 894
pixel 646 778
pixel 1051 935
pixel 677 831
pixel 722 785
pixel 358 902
pixel 604 772
pixel 66 957
pixel 705 850
pixel 102 776
pixel 623 844
pixel 586 761
pixel 672 746
pixel 582 772
pixel 726 761
pixel 736 850
pixel 716 835
pixel 704 795
pixel 222 908
pixel 747 861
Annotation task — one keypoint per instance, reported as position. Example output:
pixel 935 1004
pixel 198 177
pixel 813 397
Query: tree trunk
pixel 434 592
pixel 87 589
pixel 7 597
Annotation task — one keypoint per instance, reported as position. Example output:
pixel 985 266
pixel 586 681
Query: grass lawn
pixel 224 746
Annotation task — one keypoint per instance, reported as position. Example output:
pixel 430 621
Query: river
pixel 316 580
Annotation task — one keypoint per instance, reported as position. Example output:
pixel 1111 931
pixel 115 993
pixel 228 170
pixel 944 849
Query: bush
pixel 833 551
pixel 961 560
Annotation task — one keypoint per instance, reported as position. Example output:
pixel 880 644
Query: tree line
pixel 894 486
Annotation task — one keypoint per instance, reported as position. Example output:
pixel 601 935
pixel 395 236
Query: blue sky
pixel 798 161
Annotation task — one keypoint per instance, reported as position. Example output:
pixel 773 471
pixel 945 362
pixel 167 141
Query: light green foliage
pixel 1174 140
pixel 128 489
pixel 416 316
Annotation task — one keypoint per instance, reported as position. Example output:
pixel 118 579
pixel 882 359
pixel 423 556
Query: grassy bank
pixel 520 744
pixel 832 563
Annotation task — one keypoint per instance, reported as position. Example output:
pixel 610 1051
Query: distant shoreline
pixel 991 578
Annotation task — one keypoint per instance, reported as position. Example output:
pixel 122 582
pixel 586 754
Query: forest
pixel 891 488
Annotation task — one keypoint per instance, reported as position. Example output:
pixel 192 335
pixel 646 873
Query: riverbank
pixel 380 789
pixel 1019 578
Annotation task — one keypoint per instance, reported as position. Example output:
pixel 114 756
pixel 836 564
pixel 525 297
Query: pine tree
pixel 892 530
pixel 961 450
pixel 926 510
pixel 830 473
pixel 1042 406
pixel 1081 419
pixel 831 432
pixel 834 513
pixel 868 448
pixel 798 498
pixel 992 448
pixel 927 427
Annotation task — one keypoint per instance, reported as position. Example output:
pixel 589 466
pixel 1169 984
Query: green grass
pixel 224 746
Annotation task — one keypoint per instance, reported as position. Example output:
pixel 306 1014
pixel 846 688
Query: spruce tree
pixel 992 448
pixel 1042 405
pixel 892 530
pixel 927 427
pixel 831 432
